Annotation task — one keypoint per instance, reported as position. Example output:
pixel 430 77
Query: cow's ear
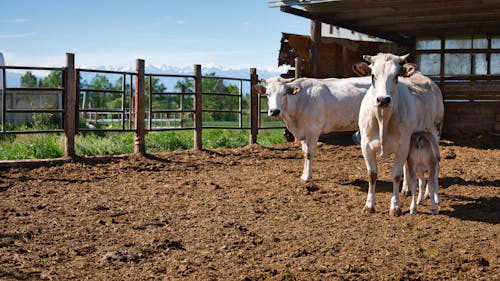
pixel 293 90
pixel 260 89
pixel 409 69
pixel 361 69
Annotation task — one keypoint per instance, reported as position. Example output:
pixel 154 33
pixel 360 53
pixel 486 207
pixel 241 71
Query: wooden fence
pixel 133 117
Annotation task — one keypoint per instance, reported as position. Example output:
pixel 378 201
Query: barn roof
pixel 401 21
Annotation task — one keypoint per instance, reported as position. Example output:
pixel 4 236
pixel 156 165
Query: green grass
pixel 90 144
pixel 32 147
pixel 169 141
pixel 44 146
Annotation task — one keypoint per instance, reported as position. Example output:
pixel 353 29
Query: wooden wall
pixel 470 117
pixel 337 55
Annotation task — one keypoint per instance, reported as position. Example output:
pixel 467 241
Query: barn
pixel 456 43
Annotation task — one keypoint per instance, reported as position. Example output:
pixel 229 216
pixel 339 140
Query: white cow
pixel 423 157
pixel 310 107
pixel 392 110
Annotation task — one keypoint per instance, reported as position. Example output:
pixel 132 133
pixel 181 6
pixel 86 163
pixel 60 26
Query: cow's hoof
pixel 406 193
pixel 305 178
pixel 435 212
pixel 368 210
pixel 395 212
pixel 413 212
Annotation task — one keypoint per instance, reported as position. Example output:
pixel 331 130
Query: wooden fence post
pixel 315 48
pixel 254 107
pixel 70 107
pixel 140 131
pixel 298 67
pixel 198 110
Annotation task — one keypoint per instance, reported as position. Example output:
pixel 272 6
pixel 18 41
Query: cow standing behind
pixel 310 107
pixel 423 157
pixel 392 110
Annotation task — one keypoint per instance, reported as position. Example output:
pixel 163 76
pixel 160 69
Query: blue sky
pixel 220 33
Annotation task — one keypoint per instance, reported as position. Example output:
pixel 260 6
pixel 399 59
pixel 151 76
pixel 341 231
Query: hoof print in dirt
pixel 311 187
pixel 123 256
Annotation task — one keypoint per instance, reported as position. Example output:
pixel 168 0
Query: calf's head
pixel 277 92
pixel 384 70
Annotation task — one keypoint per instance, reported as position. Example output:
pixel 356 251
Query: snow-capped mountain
pixel 13 77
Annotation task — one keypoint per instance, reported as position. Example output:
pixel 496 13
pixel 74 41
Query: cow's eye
pixel 373 79
pixel 396 79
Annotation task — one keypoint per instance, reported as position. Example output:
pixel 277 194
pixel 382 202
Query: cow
pixel 309 107
pixel 392 110
pixel 423 157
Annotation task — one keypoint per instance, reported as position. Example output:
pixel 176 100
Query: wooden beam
pixel 330 20
pixel 315 48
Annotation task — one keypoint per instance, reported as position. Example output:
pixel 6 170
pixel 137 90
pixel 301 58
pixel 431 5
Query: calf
pixel 423 157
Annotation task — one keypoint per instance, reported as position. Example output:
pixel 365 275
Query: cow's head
pixel 384 70
pixel 277 91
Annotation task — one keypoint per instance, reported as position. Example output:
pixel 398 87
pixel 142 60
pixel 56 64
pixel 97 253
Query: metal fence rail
pixel 134 113
pixel 6 91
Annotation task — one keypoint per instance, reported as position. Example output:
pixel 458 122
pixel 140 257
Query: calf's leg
pixel 421 187
pixel 413 181
pixel 433 190
pixel 405 191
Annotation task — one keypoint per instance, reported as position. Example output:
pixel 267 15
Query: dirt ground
pixel 243 214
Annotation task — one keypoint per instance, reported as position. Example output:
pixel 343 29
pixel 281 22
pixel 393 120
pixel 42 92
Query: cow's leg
pixel 371 166
pixel 309 146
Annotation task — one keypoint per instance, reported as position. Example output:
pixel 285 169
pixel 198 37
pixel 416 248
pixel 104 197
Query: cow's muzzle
pixel 383 101
pixel 274 112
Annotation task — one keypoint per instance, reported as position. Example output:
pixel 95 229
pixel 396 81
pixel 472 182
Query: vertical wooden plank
pixel 140 132
pixel 254 107
pixel 442 63
pixel 298 67
pixel 315 48
pixel 488 58
pixel 198 110
pixel 70 107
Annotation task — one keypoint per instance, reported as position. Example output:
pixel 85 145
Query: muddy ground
pixel 243 214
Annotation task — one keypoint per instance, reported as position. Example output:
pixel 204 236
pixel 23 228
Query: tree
pixel 29 80
pixel 216 86
pixel 158 101
pixel 53 80
pixel 100 99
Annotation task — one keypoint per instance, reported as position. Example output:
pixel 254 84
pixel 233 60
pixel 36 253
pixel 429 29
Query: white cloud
pixel 17 35
pixel 18 20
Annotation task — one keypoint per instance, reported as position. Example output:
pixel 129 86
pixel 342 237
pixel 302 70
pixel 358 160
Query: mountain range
pixel 13 78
